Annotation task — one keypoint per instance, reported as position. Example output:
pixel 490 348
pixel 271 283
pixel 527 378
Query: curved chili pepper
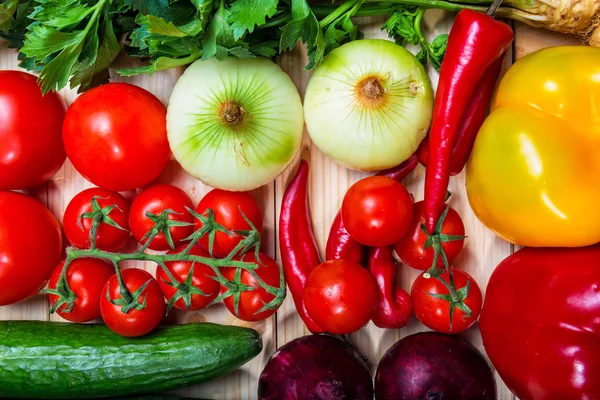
pixel 394 307
pixel 472 120
pixel 475 42
pixel 340 245
pixel 299 252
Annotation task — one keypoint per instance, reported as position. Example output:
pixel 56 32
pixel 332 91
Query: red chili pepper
pixel 394 307
pixel 340 245
pixel 299 251
pixel 472 120
pixel 475 42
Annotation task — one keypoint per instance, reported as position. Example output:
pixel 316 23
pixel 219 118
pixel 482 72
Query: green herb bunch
pixel 74 41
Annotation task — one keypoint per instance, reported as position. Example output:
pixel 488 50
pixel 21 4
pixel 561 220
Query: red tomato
pixel 86 277
pixel 136 322
pixel 411 248
pixel 156 200
pixel 201 279
pixel 116 137
pixel 340 296
pixel 377 211
pixel 226 207
pixel 30 246
pixel 30 132
pixel 435 312
pixel 540 322
pixel 252 301
pixel 108 237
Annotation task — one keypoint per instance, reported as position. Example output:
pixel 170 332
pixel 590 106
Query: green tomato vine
pixel 250 242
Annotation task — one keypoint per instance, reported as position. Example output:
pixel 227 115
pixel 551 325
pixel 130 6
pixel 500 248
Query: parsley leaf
pixel 61 54
pixel 7 11
pixel 246 14
pixel 219 41
pixel 304 25
pixel 404 25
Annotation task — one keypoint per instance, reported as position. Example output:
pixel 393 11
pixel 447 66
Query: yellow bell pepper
pixel 534 173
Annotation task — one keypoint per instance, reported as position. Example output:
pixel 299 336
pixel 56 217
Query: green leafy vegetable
pixel 404 25
pixel 7 12
pixel 75 41
pixel 246 14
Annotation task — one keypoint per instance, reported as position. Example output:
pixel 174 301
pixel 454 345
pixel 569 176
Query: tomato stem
pixel 250 242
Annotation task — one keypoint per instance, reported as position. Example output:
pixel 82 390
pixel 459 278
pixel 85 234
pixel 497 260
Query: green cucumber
pixel 65 361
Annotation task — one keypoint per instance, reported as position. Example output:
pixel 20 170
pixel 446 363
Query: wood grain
pixel 328 183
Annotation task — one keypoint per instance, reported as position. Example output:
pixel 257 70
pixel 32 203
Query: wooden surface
pixel 328 183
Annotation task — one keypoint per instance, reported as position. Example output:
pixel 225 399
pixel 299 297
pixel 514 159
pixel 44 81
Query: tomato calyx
pixel 65 296
pixel 436 240
pixel 185 290
pixel 99 215
pixel 455 297
pixel 129 301
pixel 162 224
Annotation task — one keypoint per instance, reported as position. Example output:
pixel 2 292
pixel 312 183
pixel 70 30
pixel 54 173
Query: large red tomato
pixel 411 248
pixel 30 246
pixel 540 323
pixel 30 131
pixel 377 211
pixel 116 137
pixel 340 296
pixel 226 207
pixel 86 278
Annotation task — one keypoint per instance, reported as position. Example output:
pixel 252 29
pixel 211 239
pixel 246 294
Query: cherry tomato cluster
pixel 378 212
pixel 223 226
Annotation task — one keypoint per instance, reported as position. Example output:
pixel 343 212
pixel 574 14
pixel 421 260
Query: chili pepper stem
pixel 494 8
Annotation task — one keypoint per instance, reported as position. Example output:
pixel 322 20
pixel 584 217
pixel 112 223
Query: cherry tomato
pixel 116 137
pixel 136 322
pixel 30 132
pixel 86 277
pixel 340 296
pixel 377 211
pixel 159 200
pixel 411 248
pixel 201 279
pixel 108 236
pixel 435 312
pixel 30 246
pixel 226 207
pixel 254 300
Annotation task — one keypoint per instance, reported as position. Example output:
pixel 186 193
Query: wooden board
pixel 328 183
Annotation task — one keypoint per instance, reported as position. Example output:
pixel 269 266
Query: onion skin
pixel 235 124
pixel 369 105
pixel 432 365
pixel 317 367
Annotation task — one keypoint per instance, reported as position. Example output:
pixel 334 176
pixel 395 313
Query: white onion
pixel 234 124
pixel 369 105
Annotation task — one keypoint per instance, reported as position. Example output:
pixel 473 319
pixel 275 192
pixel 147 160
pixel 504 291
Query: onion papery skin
pixel 361 132
pixel 235 124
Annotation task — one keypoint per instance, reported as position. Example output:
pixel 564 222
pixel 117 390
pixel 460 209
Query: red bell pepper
pixel 540 323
